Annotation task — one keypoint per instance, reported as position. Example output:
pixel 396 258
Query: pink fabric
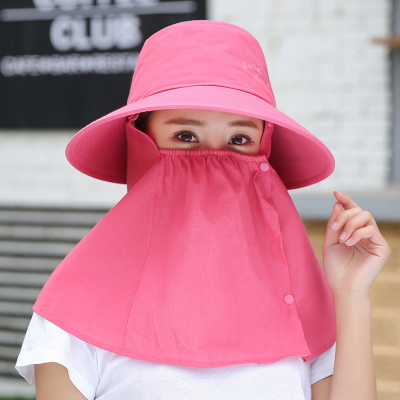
pixel 202 65
pixel 195 266
pixel 191 61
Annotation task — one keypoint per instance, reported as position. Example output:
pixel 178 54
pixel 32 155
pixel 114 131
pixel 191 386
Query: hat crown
pixel 201 53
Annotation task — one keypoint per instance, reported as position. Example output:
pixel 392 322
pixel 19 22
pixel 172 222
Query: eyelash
pixel 176 136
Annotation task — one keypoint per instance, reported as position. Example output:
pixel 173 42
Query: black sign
pixel 64 63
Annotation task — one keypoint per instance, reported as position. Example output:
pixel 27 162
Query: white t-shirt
pixel 100 374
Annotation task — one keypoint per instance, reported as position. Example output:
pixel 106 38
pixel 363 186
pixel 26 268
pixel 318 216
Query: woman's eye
pixel 238 140
pixel 186 137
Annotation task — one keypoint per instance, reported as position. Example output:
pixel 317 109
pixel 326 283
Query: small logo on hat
pixel 255 75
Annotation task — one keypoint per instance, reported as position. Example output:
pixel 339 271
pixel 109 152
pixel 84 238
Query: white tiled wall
pixel 34 171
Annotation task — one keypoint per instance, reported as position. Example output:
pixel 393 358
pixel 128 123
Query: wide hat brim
pixel 299 158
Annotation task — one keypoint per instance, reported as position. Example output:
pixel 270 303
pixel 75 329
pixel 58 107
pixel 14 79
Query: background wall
pixel 328 76
pixel 35 172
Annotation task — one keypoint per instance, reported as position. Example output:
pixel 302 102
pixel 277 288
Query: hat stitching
pixel 168 88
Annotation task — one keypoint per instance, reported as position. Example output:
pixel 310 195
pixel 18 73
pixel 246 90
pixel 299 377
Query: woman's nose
pixel 213 143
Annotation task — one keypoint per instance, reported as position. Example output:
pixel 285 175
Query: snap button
pixel 289 299
pixel 269 124
pixel 264 166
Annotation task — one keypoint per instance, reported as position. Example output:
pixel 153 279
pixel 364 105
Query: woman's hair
pixel 142 121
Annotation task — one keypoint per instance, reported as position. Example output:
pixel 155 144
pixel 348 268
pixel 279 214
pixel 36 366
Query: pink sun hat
pixel 202 65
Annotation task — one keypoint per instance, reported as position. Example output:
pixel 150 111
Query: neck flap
pixel 204 263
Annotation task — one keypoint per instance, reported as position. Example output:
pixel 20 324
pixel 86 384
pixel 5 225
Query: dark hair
pixel 142 121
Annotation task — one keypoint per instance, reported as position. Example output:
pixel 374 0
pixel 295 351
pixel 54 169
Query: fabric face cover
pixel 205 263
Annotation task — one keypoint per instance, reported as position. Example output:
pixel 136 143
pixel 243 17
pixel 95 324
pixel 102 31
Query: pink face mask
pixel 205 263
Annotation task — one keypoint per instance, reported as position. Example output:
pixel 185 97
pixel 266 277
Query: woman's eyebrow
pixel 243 123
pixel 184 121
pixel 196 122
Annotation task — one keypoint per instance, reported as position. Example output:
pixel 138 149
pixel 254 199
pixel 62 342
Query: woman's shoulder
pixel 45 342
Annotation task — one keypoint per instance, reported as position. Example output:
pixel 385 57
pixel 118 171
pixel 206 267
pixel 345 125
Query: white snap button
pixel 289 299
pixel 264 166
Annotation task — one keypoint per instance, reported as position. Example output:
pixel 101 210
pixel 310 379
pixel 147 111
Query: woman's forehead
pixel 202 117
